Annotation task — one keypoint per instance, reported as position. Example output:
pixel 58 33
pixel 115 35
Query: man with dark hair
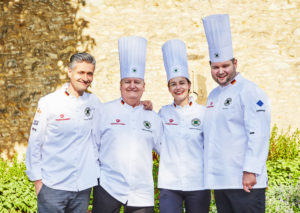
pixel 236 128
pixel 61 157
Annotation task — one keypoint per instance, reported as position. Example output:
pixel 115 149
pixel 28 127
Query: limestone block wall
pixel 37 37
pixel 266 40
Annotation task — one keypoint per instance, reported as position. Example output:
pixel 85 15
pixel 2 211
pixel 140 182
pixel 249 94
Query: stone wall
pixel 37 38
pixel 266 40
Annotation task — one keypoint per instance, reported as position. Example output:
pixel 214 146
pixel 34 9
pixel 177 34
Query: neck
pixel 183 102
pixel 131 102
pixel 73 92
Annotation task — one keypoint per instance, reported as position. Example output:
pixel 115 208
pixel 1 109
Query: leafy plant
pixel 16 191
pixel 283 172
pixel 284 145
pixel 284 198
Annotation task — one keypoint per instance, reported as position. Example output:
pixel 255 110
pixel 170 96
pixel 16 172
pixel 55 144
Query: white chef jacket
pixel 126 137
pixel 181 156
pixel 236 135
pixel 61 151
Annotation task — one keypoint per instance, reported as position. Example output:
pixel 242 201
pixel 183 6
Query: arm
pixel 160 137
pixel 34 150
pixel 256 108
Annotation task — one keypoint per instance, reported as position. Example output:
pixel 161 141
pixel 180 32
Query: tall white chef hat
pixel 218 35
pixel 175 59
pixel 132 56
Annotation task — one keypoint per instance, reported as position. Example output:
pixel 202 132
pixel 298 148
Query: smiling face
pixel 81 77
pixel 132 90
pixel 223 72
pixel 179 88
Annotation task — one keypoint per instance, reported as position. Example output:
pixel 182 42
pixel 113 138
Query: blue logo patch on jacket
pixel 260 103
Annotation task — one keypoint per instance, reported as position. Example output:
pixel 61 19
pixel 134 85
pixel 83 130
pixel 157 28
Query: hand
pixel 249 180
pixel 147 105
pixel 38 185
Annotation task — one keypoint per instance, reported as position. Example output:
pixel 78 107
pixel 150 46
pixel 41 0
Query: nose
pixel 85 77
pixel 221 71
pixel 132 85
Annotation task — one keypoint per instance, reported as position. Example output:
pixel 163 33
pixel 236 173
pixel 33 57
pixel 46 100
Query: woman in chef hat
pixel 180 176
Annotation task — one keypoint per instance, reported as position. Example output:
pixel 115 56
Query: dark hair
pixel 189 82
pixel 81 57
pixel 233 59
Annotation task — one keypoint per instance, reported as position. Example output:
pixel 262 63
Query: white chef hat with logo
pixel 218 35
pixel 132 56
pixel 175 59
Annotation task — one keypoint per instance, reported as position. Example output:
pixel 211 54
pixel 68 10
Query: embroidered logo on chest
pixel 62 118
pixel 196 122
pixel 227 102
pixel 117 122
pixel 211 104
pixel 171 122
pixel 147 124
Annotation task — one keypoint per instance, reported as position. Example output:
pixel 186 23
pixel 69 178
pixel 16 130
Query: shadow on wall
pixel 37 38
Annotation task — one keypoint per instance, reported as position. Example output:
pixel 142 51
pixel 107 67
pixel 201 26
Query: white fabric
pixel 60 150
pixel 132 56
pixel 218 35
pixel 181 156
pixel 126 137
pixel 236 135
pixel 175 59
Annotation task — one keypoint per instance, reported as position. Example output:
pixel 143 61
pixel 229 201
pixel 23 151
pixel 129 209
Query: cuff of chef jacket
pixel 34 174
pixel 254 165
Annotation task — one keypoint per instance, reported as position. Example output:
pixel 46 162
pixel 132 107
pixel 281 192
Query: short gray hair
pixel 81 57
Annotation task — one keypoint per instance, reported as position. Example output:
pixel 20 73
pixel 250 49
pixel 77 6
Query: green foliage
pixel 283 199
pixel 284 145
pixel 155 176
pixel 16 191
pixel 283 172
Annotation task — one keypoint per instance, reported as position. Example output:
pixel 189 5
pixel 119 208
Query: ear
pixel 235 63
pixel 144 86
pixel 69 72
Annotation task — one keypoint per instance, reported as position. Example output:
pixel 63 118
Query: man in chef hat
pixel 126 134
pixel 236 128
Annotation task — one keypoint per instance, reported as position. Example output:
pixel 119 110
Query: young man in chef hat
pixel 126 134
pixel 236 128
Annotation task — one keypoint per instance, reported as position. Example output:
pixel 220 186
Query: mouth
pixel 222 77
pixel 179 93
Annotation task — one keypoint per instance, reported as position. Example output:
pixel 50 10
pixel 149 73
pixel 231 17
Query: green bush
pixel 283 172
pixel 284 145
pixel 16 191
pixel 283 199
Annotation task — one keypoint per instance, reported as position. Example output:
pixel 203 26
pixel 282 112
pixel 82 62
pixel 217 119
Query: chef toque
pixel 175 59
pixel 218 35
pixel 132 56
